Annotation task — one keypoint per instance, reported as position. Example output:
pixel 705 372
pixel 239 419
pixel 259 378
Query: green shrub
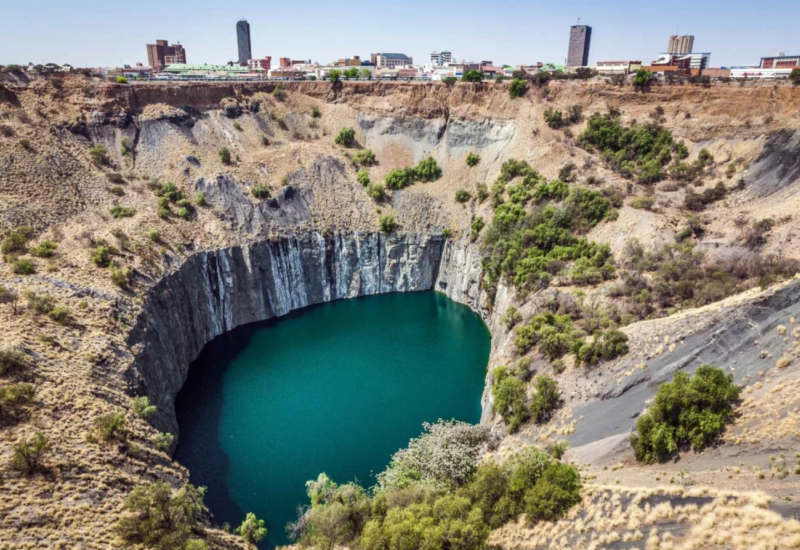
pixel 643 203
pixel 554 119
pixel 122 80
pixel 163 441
pixel 553 335
pixel 224 155
pixel 462 196
pixel 511 317
pixel 252 529
pixel 315 112
pixel 365 157
pixel 473 159
pixel 554 493
pixel 397 179
pixel 472 76
pixel 28 454
pixel 260 191
pixel 142 408
pixel 39 303
pixel 120 276
pixel 427 170
pixel 196 544
pixel 126 147
pixel 13 398
pixel 22 267
pixel 605 346
pixel 12 360
pixel 509 396
pixel 376 191
pixel 60 315
pixel 363 177
pixel 517 88
pixel 99 155
pixel 689 411
pixel 705 157
pixel 122 211
pixel 642 79
pixel 101 256
pixel 476 227
pixel 108 426
pixel 481 191
pixel 545 400
pixel 238 127
pixel 346 137
pixel 388 223
pixel 158 518
pixel 16 241
pixel 200 199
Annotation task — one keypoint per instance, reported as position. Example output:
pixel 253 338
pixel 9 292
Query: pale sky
pixel 103 33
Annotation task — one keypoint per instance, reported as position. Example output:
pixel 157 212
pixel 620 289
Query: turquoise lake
pixel 334 388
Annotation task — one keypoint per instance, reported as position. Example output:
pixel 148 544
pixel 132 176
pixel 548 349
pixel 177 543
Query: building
pixel 161 54
pixel 391 60
pixel 243 41
pixel 265 63
pixel 681 45
pixel 780 61
pixel 491 70
pixel 757 72
pixel 697 61
pixel 618 67
pixel 212 71
pixel 354 61
pixel 580 38
pixel 441 58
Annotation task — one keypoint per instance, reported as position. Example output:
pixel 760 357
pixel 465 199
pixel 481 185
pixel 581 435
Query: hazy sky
pixel 101 33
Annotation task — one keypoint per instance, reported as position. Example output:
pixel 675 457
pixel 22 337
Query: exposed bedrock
pixel 217 291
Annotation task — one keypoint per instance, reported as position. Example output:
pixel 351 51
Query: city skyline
pixel 734 36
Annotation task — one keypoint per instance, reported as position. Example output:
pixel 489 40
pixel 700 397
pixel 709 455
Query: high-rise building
pixel 681 44
pixel 243 40
pixel 580 37
pixel 161 54
pixel 441 58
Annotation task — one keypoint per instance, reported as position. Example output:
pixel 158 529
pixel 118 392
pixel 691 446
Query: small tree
pixel 462 196
pixel 546 398
pixel 553 118
pixel 252 529
pixel 345 137
pixel 643 79
pixel 9 296
pixel 29 453
pixel 334 76
pixel 473 159
pixel 225 155
pixel 366 73
pixel 388 223
pixel 143 408
pixel 376 191
pixel 99 155
pixel 363 177
pixel 428 170
pixel 472 76
pixel 122 80
pixel 517 88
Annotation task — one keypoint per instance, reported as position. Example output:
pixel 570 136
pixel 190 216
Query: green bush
pixel 101 256
pixel 60 315
pixel 472 76
pixel 334 76
pixel 158 518
pixel 689 411
pixel 376 191
pixel 16 241
pixel 473 159
pixel 13 398
pixel 260 191
pixel 427 170
pixel 545 400
pixel 122 211
pixel 517 88
pixel 142 408
pixel 643 78
pixel 121 276
pixel 346 137
pixel 28 454
pixel 605 346
pixel 39 303
pixel 99 155
pixel 200 199
pixel 22 267
pixel 511 317
pixel 365 157
pixel 397 179
pixel 481 191
pixel 12 360
pixel 643 203
pixel 163 441
pixel 387 223
pixel 553 335
pixel 363 177
pixel 315 112
pixel 476 227
pixel 108 426
pixel 462 196
pixel 509 396
pixel 554 119
pixel 122 80
pixel 252 529
pixel 555 492
pixel 224 155
pixel 238 127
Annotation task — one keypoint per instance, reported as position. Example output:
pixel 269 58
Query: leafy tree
pixel 553 494
pixel 334 76
pixel 509 396
pixel 366 73
pixel 473 76
pixel 122 80
pixel 546 398
pixel 388 223
pixel 517 88
pixel 642 79
pixel 39 303
pixel 689 411
pixel 163 441
pixel 352 72
pixel 158 518
pixel 345 137
pixel 12 360
pixel 224 155
pixel 101 256
pixel 462 196
pixel 449 80
pixel 143 408
pixel 252 529
pixel 28 454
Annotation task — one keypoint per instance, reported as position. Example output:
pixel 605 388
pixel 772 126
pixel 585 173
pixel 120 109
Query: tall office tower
pixel 243 39
pixel 580 37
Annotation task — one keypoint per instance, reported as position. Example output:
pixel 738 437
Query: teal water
pixel 335 388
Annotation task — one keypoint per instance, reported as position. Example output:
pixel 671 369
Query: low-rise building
pixel 780 61
pixel 758 72
pixel 618 67
pixel 391 60
pixel 354 61
pixel 265 63
pixel 698 61
pixel 212 71
pixel 491 70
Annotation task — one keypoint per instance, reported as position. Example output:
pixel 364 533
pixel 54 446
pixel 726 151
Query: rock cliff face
pixel 217 291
